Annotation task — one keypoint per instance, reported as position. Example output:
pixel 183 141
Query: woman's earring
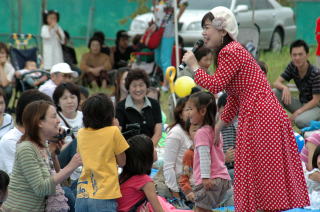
pixel 222 40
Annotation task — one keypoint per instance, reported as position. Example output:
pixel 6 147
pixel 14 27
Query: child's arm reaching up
pixel 150 192
pixel 121 159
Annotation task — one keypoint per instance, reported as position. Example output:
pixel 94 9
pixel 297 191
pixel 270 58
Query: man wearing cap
pixel 268 170
pixel 60 73
pixel 122 50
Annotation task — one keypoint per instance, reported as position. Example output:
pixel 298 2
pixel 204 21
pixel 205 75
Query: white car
pixel 268 26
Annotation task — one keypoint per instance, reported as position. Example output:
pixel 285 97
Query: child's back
pixel 101 147
pixel 99 177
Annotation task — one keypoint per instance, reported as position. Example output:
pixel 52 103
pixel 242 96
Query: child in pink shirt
pixel 210 173
pixel 136 186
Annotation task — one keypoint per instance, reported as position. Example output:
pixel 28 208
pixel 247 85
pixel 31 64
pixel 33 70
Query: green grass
pixel 276 62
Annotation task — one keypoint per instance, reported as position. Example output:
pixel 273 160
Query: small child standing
pixel 101 147
pixel 210 173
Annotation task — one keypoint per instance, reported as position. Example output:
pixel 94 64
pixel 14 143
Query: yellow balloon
pixel 183 86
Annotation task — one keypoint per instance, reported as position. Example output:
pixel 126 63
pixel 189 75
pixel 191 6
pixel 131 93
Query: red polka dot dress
pixel 268 171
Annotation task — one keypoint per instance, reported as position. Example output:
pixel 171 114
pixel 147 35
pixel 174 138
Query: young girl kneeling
pixel 210 173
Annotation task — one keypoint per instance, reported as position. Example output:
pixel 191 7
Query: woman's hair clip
pixel 219 23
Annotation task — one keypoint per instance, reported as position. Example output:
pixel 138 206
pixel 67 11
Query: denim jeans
pixel 96 205
pixel 302 120
pixel 71 197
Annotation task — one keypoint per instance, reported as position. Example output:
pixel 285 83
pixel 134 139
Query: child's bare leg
pixel 197 209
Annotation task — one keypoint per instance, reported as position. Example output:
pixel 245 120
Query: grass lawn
pixel 276 61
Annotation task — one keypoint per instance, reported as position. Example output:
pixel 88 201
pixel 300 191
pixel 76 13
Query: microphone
pixel 196 46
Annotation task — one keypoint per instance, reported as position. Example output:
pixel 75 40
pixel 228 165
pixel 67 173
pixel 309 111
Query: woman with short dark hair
pixel 66 97
pixel 138 114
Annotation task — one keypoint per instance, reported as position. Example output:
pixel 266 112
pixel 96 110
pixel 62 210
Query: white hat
pixel 224 19
pixel 63 68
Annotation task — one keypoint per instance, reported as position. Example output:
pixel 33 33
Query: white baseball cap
pixel 63 68
pixel 224 19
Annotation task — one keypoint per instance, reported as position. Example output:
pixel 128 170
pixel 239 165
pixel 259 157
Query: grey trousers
pixel 302 120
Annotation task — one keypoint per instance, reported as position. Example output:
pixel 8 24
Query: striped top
pixel 308 85
pixel 229 134
pixel 30 181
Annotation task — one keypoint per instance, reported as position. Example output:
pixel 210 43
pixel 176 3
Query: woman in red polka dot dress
pixel 268 172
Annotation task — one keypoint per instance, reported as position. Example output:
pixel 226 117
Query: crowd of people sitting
pixel 68 150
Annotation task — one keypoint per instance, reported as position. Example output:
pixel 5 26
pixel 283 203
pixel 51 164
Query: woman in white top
pixel 52 38
pixel 177 142
pixel 66 97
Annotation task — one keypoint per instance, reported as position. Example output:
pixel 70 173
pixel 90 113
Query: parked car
pixel 269 25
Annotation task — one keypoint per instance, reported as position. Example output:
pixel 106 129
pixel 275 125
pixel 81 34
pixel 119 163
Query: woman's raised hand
pixel 190 60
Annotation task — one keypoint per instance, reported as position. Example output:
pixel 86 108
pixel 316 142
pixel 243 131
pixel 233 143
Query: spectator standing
pixel 98 186
pixel 52 38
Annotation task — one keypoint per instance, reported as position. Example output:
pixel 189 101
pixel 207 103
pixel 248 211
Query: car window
pixel 207 4
pixel 244 2
pixel 263 5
